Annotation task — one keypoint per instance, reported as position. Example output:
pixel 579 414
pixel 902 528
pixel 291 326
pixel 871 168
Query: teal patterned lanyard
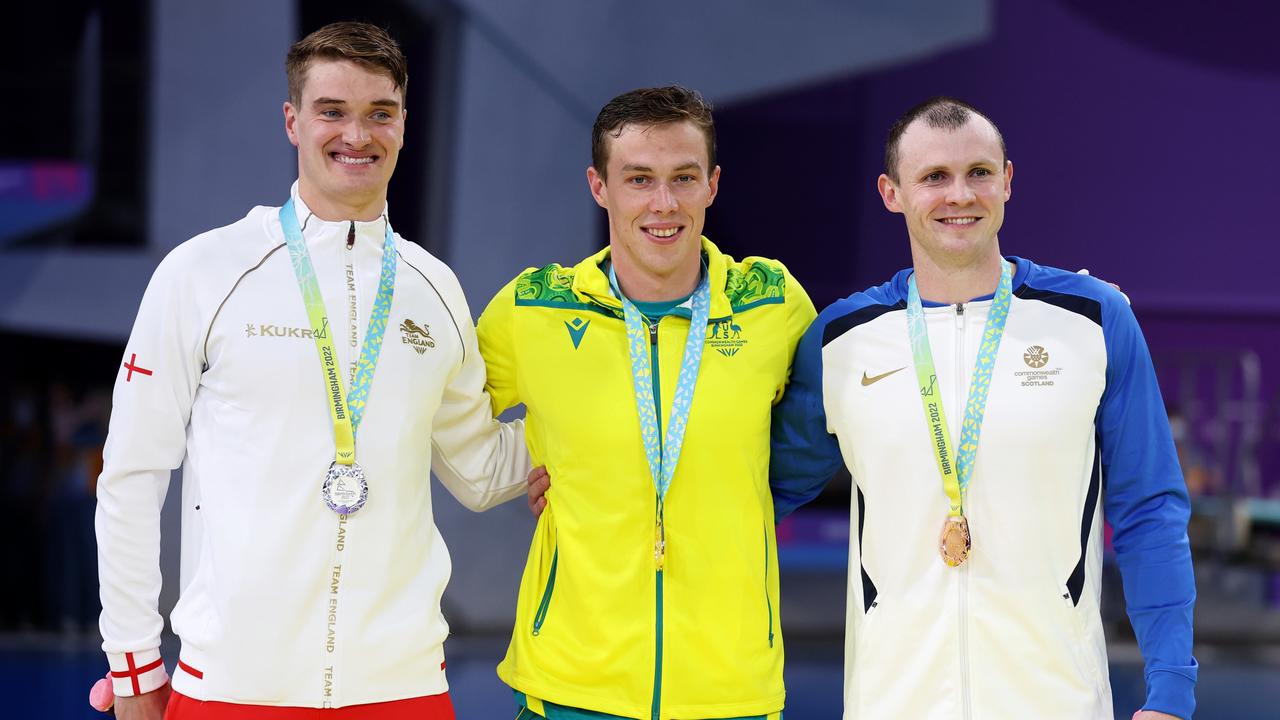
pixel 663 456
pixel 955 477
pixel 344 425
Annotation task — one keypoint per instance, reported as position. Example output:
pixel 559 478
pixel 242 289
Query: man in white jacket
pixel 992 412
pixel 305 366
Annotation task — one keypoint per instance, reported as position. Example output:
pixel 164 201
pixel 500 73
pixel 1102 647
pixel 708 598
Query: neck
pixel 953 283
pixel 646 287
pixel 342 209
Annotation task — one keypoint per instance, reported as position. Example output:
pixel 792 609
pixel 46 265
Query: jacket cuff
pixel 1172 693
pixel 135 673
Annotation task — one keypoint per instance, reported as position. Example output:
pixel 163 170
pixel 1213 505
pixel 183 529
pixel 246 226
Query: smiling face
pixel 348 128
pixel 952 187
pixel 657 194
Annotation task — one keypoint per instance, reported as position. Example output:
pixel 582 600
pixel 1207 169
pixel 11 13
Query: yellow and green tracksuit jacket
pixel 598 627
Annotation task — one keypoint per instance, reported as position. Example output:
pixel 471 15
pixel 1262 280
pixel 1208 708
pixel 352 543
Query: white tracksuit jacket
pixel 283 602
pixel 1074 430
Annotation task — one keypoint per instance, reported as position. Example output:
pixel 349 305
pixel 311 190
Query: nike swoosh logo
pixel 877 378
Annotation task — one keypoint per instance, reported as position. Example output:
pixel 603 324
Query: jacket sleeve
pixel 151 404
pixel 1145 500
pixel 495 329
pixel 800 315
pixel 803 454
pixel 481 461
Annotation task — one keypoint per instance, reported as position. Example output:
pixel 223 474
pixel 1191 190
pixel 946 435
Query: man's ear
pixel 290 122
pixel 714 183
pixel 888 193
pixel 595 181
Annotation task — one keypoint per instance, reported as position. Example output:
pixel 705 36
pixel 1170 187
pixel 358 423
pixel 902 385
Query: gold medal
pixel 954 543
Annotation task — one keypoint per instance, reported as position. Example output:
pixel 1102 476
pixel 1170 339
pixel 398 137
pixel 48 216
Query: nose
pixel 355 134
pixel 663 200
pixel 959 192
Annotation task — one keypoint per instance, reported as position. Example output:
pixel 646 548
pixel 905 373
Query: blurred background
pixel 1143 134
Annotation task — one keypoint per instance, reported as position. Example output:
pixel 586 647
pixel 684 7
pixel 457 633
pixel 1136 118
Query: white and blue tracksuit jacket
pixel 1075 431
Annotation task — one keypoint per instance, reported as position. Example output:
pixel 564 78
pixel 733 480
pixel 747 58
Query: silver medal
pixel 345 489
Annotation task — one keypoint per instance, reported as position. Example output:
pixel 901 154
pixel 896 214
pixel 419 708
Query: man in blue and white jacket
pixel 1065 426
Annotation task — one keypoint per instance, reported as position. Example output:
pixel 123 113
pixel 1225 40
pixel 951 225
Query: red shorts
pixel 430 707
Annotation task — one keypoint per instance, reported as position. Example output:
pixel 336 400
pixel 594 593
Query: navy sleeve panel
pixel 1145 500
pixel 804 455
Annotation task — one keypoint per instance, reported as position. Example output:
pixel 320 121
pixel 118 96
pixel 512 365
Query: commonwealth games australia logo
pixel 416 336
pixel 1036 357
pixel 725 337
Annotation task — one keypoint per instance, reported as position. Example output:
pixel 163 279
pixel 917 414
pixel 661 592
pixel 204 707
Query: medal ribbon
pixel 956 468
pixel 664 456
pixel 347 409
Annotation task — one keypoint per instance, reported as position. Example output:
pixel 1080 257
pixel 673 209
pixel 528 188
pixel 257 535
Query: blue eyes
pixel 939 177
pixel 640 180
pixel 380 116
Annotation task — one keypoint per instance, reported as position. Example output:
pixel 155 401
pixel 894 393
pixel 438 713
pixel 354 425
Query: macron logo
pixel 577 329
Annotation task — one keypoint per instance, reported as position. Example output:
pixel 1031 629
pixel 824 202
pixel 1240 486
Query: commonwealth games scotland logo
pixel 1038 376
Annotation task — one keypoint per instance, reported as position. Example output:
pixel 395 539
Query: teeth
pixel 960 221
pixel 346 160
pixel 663 233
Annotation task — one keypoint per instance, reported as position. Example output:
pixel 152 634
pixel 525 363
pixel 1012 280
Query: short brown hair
pixel 651 106
pixel 943 112
pixel 366 45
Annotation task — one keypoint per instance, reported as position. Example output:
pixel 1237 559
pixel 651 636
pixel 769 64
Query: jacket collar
pixel 590 282
pixel 311 223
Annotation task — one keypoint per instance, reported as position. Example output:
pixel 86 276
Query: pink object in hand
pixel 102 696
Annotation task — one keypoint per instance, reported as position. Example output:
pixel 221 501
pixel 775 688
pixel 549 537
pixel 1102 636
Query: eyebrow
pixel 944 168
pixel 691 165
pixel 381 102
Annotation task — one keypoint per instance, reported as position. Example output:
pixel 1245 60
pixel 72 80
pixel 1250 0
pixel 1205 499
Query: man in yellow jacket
pixel 648 371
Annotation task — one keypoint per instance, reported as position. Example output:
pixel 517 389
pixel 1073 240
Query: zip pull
pixel 660 542
pixel 653 333
pixel 959 308
pixel 351 235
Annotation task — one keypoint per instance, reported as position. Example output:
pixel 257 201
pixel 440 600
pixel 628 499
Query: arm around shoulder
pixel 803 455
pixel 481 461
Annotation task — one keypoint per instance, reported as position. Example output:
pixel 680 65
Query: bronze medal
pixel 954 543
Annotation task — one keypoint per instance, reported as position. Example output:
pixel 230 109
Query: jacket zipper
pixel 352 315
pixel 541 616
pixel 656 707
pixel 768 602
pixel 330 693
pixel 961 392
